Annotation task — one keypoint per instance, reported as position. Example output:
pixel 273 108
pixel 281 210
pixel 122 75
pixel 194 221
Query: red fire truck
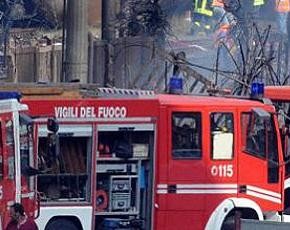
pixel 280 96
pixel 17 162
pixel 125 159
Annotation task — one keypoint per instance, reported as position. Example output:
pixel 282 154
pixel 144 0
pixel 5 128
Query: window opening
pixel 222 136
pixel 186 135
pixel 10 148
pixel 254 134
pixel 26 149
pixel 66 178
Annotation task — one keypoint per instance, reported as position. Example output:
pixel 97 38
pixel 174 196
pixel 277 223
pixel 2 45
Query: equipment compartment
pixel 65 173
pixel 124 171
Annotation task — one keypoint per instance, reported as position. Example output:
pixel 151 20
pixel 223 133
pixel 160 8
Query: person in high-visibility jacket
pixel 259 2
pixel 283 9
pixel 202 7
pixel 202 13
pixel 222 24
pixel 257 5
pixel 219 13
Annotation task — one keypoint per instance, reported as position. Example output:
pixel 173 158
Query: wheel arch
pixel 73 219
pixel 83 213
pixel 248 208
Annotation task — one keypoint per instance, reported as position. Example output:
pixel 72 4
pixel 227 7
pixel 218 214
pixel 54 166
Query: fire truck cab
pixel 134 160
pixel 280 96
pixel 17 159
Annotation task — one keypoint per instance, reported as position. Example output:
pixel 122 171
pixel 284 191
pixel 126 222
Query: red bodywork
pixel 277 93
pixel 196 192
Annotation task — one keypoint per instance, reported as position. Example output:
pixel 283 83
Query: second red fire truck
pixel 17 157
pixel 280 96
pixel 125 159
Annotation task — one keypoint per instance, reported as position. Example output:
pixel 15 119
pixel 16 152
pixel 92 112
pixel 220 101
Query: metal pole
pixel 108 20
pixel 76 41
pixel 63 42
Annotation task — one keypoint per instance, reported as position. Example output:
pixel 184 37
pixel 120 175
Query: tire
pixel 61 224
pixel 229 223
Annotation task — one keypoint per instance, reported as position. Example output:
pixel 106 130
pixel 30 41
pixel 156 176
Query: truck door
pixel 258 164
pixel 8 183
pixel 222 166
pixel 186 169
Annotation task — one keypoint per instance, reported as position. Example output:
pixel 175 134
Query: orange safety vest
pixel 218 3
pixel 283 5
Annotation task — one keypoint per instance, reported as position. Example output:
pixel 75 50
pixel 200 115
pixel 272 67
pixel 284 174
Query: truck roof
pixel 154 100
pixel 206 100
pixel 280 93
pixel 90 92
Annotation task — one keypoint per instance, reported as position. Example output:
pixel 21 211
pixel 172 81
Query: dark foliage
pixel 23 14
pixel 143 17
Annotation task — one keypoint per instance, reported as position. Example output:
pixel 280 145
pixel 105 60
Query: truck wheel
pixel 229 223
pixel 62 224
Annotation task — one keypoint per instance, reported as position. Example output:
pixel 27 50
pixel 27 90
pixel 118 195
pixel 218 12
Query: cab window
pixel 222 135
pixel 186 135
pixel 10 148
pixel 253 135
pixel 26 144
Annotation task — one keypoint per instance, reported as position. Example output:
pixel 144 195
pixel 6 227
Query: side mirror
pixel 52 125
